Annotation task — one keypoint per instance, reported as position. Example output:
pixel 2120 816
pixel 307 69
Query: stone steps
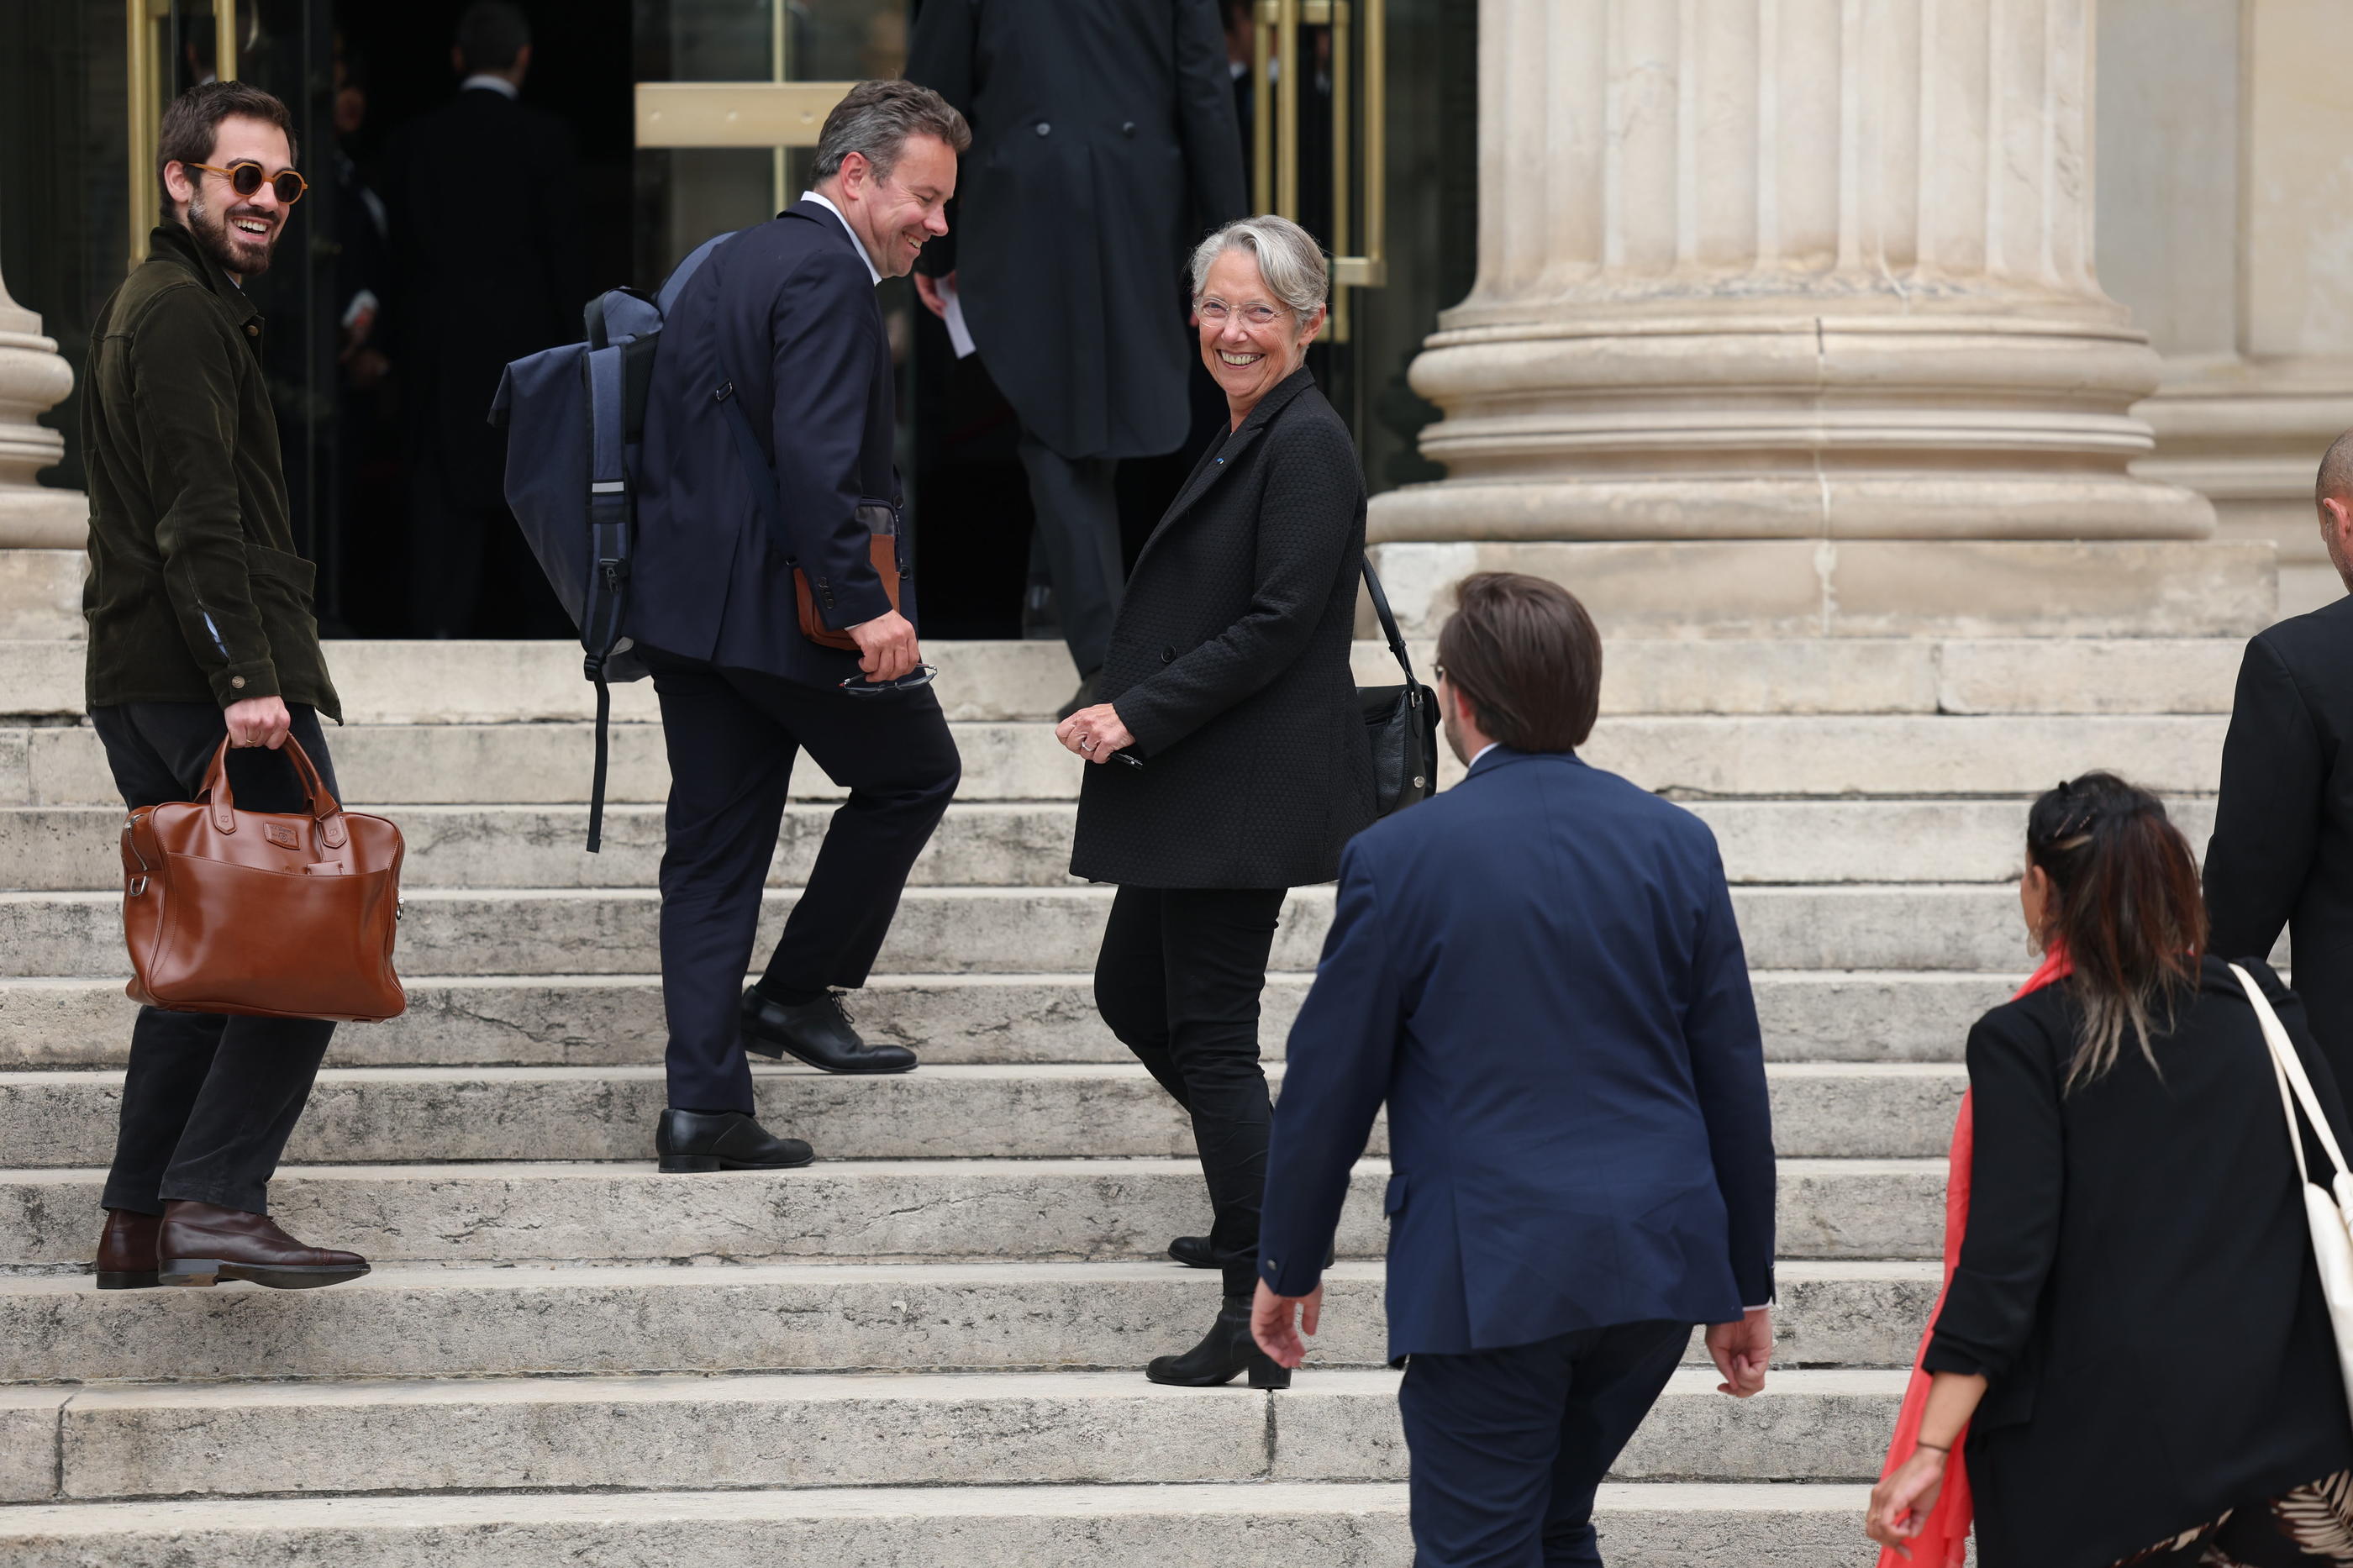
pixel 74 849
pixel 416 1321
pixel 557 1212
pixel 1255 1525
pixel 612 1020
pixel 526 682
pixel 998 931
pixel 373 1116
pixel 391 765
pixel 692 1434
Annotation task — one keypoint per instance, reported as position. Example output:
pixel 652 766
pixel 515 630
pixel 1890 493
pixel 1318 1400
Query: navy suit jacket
pixel 785 312
pixel 1539 972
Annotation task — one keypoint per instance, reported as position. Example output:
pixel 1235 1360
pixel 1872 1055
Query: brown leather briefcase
pixel 253 913
pixel 883 549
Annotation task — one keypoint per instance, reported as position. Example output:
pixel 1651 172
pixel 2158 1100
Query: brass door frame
pixel 1274 133
pixel 143 67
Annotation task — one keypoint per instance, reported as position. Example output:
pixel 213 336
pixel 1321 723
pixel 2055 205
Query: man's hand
pixel 1094 733
pixel 886 646
pixel 928 291
pixel 258 721
pixel 1277 1321
pixel 1741 1351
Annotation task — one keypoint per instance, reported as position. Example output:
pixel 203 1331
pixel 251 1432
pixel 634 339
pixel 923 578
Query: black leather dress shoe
pixel 1195 1252
pixel 818 1032
pixel 693 1140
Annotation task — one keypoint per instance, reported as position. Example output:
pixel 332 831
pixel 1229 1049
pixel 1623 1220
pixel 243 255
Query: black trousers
pixel 733 736
pixel 1178 980
pixel 1510 1446
pixel 208 1102
pixel 1077 521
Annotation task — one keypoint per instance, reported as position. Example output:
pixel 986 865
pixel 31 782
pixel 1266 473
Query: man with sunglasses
pixel 766 474
pixel 200 630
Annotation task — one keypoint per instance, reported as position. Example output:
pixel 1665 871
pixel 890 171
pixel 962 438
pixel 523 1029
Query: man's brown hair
pixel 1525 654
pixel 875 118
pixel 192 126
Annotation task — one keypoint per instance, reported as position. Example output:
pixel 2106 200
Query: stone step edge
pixel 474 1510
pixel 972 1072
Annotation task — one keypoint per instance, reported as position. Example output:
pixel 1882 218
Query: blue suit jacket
pixel 785 312
pixel 1539 972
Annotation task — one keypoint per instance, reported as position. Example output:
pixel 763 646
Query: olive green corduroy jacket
pixel 196 594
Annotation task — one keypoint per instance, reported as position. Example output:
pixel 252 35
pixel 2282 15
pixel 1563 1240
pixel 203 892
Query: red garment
pixel 1944 1539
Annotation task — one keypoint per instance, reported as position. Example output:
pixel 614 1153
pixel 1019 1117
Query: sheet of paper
pixel 958 333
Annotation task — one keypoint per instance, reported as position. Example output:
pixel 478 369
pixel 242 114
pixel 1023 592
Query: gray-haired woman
pixel 1237 764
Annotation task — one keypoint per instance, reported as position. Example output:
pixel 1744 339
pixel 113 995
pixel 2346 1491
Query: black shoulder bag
pixel 1400 722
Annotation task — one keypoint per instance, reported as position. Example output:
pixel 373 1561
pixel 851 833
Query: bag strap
pixel 610 510
pixel 1390 629
pixel 758 477
pixel 2289 1066
pixel 323 806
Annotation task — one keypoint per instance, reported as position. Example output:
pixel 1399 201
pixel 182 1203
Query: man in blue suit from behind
pixel 1539 972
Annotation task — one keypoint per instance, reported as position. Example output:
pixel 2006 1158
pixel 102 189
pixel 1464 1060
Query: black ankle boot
pixel 1226 1351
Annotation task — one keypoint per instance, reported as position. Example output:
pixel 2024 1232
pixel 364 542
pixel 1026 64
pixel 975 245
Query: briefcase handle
pixel 322 805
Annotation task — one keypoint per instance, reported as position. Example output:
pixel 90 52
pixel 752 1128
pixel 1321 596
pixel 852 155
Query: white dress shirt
pixel 873 272
pixel 497 84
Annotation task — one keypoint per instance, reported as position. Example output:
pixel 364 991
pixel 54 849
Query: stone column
pixel 42 528
pixel 2225 219
pixel 1786 325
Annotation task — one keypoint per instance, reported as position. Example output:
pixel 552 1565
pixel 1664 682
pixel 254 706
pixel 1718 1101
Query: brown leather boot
pixel 203 1244
pixel 126 1250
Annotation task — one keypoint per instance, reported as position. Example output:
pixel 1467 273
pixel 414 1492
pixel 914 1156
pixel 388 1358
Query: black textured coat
pixel 2283 847
pixel 1229 664
pixel 1104 147
pixel 2136 1282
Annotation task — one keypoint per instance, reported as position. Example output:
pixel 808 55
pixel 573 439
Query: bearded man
pixel 201 629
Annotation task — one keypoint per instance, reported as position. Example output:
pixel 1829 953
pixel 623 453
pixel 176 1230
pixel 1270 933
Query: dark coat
pixel 1229 664
pixel 196 594
pixel 490 265
pixel 1540 973
pixel 2282 854
pixel 1103 148
pixel 786 313
pixel 2137 1283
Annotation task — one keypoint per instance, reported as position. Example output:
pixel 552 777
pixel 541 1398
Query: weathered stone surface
pixel 1233 1525
pixel 522 1322
pixel 600 1020
pixel 2083 675
pixel 940 1209
pixel 990 931
pixel 660 1433
pixel 30 1464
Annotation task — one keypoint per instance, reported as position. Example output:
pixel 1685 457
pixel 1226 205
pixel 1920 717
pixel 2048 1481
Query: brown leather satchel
pixel 883 549
pixel 257 913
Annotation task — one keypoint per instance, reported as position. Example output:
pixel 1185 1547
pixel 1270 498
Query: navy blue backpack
pixel 574 416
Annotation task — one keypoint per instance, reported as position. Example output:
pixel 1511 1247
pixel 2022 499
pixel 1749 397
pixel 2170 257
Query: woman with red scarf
pixel 2132 1362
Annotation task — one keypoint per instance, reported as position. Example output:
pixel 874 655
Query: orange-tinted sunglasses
pixel 244 177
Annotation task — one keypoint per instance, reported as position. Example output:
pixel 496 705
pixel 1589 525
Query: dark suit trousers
pixel 1509 1445
pixel 1178 980
pixel 208 1102
pixel 1077 505
pixel 733 736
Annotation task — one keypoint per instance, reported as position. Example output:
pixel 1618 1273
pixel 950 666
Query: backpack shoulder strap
pixel 675 284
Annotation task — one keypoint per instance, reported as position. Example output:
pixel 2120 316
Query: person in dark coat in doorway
pixel 2282 855
pixel 1104 144
pixel 488 248
pixel 2134 1351
pixel 1234 763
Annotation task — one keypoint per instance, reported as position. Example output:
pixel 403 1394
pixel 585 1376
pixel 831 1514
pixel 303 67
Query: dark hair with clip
pixel 2125 905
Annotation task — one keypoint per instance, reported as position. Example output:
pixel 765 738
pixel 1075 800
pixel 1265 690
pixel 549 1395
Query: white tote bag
pixel 2332 1242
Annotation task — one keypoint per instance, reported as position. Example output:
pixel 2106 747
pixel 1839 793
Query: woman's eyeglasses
pixel 1217 310
pixel 244 177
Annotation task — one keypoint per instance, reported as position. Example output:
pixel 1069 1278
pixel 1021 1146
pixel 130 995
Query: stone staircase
pixel 924 1349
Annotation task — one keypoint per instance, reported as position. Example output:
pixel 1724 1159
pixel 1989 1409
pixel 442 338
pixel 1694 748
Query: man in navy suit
pixel 1539 972
pixel 769 449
